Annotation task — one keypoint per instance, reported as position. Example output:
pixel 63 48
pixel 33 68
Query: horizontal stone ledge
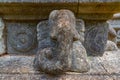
pixel 61 77
pixel 10 1
pixel 109 63
pixel 21 10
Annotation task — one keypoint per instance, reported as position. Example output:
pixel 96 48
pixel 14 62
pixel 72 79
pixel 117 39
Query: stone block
pixel 2 38
pixel 21 38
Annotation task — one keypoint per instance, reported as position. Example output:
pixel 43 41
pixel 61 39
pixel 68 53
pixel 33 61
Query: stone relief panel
pixel 60 49
pixel 21 38
pixel 2 38
pixel 96 37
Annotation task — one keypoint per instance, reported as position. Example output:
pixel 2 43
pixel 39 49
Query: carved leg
pixel 96 36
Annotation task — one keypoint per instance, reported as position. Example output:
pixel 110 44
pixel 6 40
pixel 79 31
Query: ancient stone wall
pixel 38 42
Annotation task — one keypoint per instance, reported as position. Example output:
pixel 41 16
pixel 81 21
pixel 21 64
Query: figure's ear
pixel 52 15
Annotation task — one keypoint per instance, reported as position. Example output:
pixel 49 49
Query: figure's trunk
pixel 65 40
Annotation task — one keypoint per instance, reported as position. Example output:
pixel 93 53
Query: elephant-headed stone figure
pixel 60 49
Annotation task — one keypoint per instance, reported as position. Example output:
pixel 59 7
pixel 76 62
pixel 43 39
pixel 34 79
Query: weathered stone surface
pixel 95 10
pixel 112 34
pixel 55 53
pixel 85 9
pixel 116 16
pixel 22 38
pixel 2 38
pixel 58 0
pixel 115 23
pixel 106 64
pixel 79 58
pixel 16 64
pixel 96 37
pixel 37 1
pixel 80 27
pixel 24 10
pixel 61 77
pixel 111 46
pixel 118 38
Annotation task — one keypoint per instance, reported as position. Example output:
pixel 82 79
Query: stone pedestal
pixel 106 67
pixel 96 35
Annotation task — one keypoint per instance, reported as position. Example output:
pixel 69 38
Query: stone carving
pixel 22 38
pixel 111 43
pixel 2 38
pixel 96 37
pixel 112 34
pixel 60 49
pixel 111 46
pixel 80 27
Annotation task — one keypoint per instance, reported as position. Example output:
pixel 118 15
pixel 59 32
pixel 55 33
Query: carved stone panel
pixel 21 38
pixel 60 49
pixel 96 36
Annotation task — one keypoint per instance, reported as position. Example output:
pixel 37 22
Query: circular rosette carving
pixel 23 39
pixel 96 39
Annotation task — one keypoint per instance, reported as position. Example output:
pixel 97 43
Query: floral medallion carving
pixel 22 38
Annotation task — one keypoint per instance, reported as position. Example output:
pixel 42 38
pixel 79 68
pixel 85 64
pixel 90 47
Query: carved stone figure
pixel 2 38
pixel 22 38
pixel 60 49
pixel 96 35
